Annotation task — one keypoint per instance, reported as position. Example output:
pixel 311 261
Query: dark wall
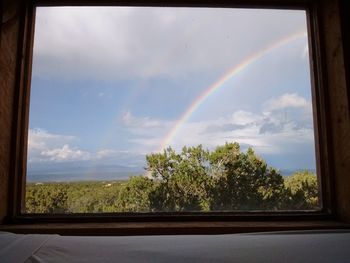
pixel 8 57
pixel 344 7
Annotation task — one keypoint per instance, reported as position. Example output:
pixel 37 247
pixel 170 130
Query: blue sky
pixel 109 84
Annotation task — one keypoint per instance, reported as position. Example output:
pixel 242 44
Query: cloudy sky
pixel 110 84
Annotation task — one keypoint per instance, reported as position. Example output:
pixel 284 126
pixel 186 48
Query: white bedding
pixel 302 246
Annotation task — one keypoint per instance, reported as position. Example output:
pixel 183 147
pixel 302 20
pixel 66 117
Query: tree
pixel 46 199
pixel 134 195
pixel 224 179
pixel 303 190
pixel 243 181
pixel 182 179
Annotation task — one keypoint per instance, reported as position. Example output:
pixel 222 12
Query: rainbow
pixel 225 77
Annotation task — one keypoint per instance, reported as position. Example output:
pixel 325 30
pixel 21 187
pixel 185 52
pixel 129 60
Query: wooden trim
pixel 25 86
pixel 21 111
pixel 338 107
pixel 172 217
pixel 169 228
pixel 278 4
pixel 321 117
pixel 344 8
pixel 14 182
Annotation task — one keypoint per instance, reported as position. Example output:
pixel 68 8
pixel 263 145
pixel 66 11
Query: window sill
pixel 169 228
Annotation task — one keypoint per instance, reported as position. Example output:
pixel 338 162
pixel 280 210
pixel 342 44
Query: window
pixel 321 119
pixel 154 109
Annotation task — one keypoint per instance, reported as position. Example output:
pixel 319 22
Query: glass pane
pixel 153 109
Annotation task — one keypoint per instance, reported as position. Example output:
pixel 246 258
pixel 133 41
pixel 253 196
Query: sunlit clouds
pixel 287 101
pixel 283 123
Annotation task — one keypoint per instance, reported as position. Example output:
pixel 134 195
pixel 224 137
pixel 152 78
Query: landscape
pixel 225 179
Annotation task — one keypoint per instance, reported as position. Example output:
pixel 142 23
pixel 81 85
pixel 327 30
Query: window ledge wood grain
pixel 169 228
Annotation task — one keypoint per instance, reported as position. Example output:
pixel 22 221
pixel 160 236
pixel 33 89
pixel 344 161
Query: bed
pixel 288 246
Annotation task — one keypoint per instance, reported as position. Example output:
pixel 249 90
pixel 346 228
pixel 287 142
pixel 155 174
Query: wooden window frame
pixel 239 221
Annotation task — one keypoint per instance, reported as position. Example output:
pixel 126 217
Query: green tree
pixel 303 190
pixel 134 195
pixel 46 199
pixel 182 180
pixel 243 181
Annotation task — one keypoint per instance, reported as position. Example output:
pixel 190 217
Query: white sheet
pixel 18 248
pixel 304 246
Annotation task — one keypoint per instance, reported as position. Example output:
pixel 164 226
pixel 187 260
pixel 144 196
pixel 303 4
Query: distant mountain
pixel 82 171
pixel 79 171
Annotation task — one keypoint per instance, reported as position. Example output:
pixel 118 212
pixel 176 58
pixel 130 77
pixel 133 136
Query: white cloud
pixel 288 100
pixel 39 139
pixel 124 42
pixel 66 153
pixel 197 133
pixel 46 146
pixel 274 132
pixel 241 117
pixel 285 137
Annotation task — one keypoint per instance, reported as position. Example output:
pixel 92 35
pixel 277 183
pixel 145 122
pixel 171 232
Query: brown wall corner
pixel 338 106
pixel 8 55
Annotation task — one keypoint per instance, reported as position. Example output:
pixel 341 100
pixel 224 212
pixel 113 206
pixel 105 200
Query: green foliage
pixel 303 189
pixel 225 179
pixel 46 199
pixel 75 197
pixel 182 181
pixel 243 181
pixel 134 195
